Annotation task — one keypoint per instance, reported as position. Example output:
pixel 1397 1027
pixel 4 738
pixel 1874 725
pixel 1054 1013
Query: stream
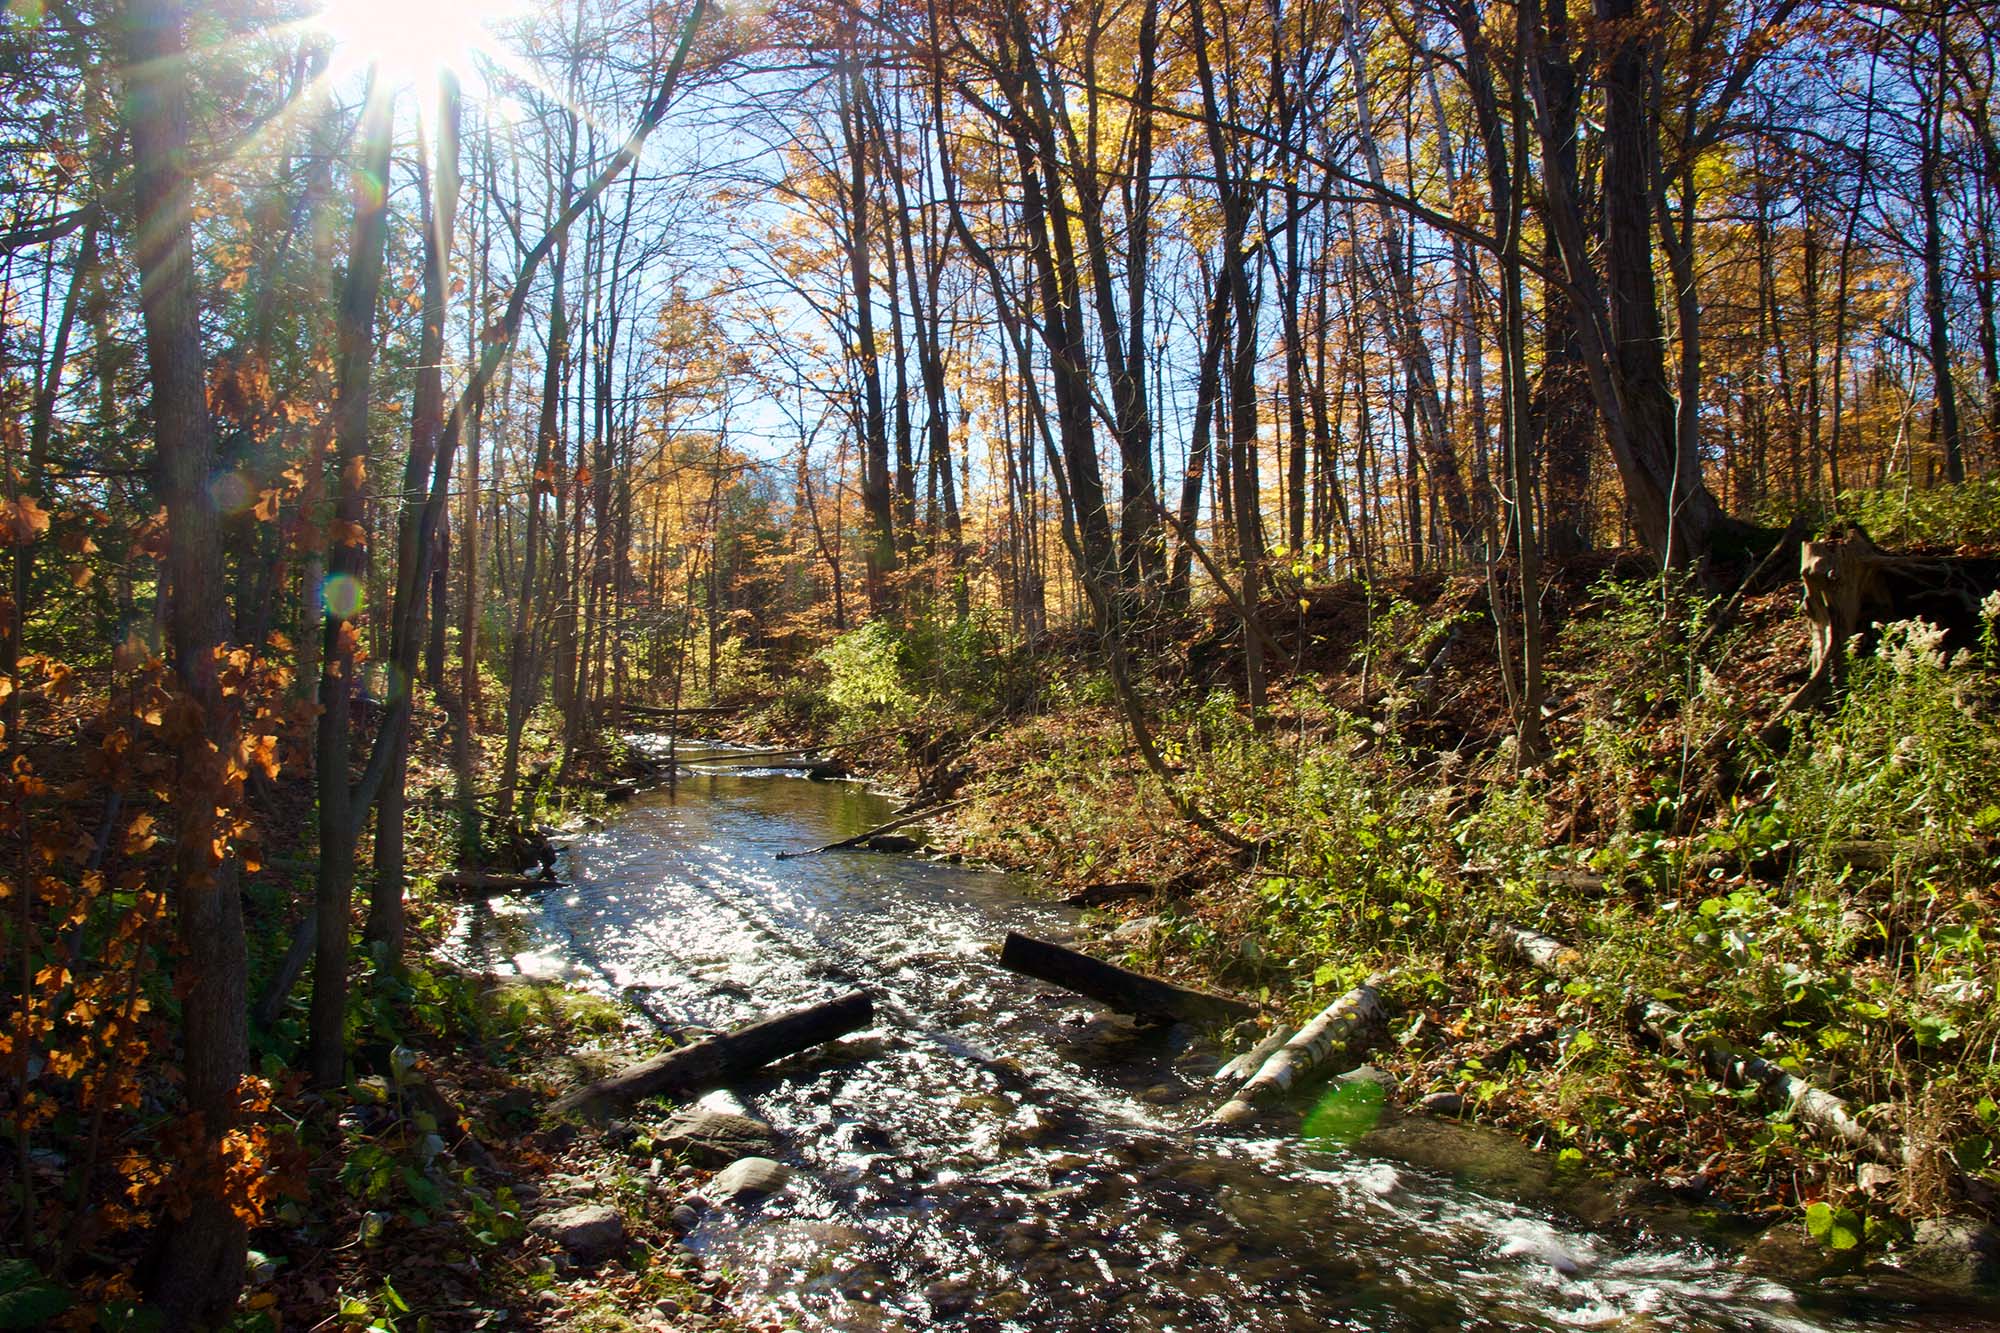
pixel 994 1154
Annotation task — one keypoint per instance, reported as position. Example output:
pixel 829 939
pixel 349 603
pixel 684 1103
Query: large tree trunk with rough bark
pixel 196 1268
pixel 340 811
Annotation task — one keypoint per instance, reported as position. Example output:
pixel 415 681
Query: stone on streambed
pixel 1957 1251
pixel 589 1233
pixel 1381 1078
pixel 710 1137
pixel 749 1179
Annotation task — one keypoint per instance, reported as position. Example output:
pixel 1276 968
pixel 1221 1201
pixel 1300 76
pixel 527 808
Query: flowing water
pixel 994 1155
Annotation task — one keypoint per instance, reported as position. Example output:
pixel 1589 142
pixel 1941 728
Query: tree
pixel 199 1258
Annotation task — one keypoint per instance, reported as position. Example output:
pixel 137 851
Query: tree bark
pixel 1340 1028
pixel 415 549
pixel 198 1258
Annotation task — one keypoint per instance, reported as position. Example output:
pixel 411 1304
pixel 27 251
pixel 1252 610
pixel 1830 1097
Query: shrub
pixel 1912 747
pixel 1937 516
pixel 864 672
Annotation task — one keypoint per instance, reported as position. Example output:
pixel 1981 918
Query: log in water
pixel 1126 991
pixel 708 1064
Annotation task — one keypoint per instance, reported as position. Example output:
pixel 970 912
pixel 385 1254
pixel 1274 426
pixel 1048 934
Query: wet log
pixel 1098 895
pixel 1247 1063
pixel 1118 988
pixel 478 884
pixel 1342 1028
pixel 687 1070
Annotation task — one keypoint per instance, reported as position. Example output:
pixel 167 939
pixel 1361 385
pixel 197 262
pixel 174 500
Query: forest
pixel 572 567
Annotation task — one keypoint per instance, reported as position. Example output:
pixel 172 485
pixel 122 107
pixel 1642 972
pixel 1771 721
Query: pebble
pixel 1443 1103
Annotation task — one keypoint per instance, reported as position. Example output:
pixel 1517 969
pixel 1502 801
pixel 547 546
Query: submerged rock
pixel 588 1233
pixel 749 1178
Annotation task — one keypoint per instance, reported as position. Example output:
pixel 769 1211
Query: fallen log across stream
pixel 1811 1106
pixel 900 821
pixel 1342 1027
pixel 695 1068
pixel 1119 988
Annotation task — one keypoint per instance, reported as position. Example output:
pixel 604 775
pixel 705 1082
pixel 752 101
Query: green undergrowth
pixel 1906 515
pixel 1828 904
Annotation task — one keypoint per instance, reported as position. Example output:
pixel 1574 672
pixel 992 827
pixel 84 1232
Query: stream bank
pixel 996 1155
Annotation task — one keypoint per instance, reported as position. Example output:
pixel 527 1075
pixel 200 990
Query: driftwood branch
pixel 1812 1106
pixel 1246 1063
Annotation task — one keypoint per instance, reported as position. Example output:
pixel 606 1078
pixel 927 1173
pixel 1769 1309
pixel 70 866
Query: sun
pixel 413 41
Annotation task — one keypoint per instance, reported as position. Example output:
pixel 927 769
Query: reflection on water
pixel 996 1156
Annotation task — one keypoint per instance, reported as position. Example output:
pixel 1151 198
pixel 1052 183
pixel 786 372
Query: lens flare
pixel 341 596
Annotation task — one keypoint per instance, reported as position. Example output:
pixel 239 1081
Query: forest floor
pixel 1827 904
pixel 420 1192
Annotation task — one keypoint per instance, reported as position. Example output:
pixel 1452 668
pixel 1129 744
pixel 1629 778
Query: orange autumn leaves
pixel 88 1056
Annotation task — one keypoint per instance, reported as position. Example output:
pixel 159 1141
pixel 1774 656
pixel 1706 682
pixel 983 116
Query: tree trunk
pixel 415 547
pixel 339 821
pixel 879 554
pixel 198 1257
pixel 521 675
pixel 1617 310
pixel 1930 185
